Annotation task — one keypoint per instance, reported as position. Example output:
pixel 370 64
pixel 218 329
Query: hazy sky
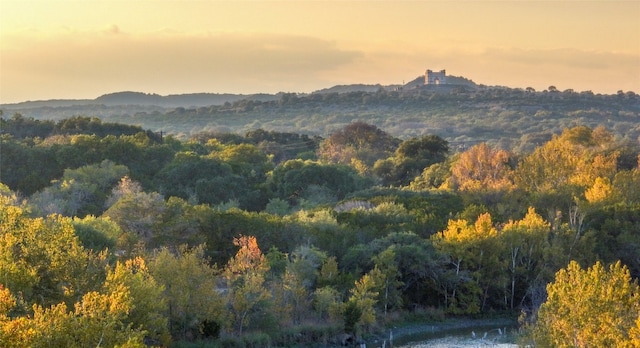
pixel 53 49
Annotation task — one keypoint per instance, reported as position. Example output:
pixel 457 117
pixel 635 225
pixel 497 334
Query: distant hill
pixel 352 88
pixel 129 98
pixel 195 100
pixel 51 103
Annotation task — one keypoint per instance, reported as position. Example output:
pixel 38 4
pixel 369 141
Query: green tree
pixel 137 213
pixel 200 179
pixel 363 295
pixel 306 263
pixel 389 283
pixel 410 159
pixel 190 290
pixel 98 233
pixel 329 273
pixel 357 142
pixel 297 180
pixel 328 304
pixel 27 168
pixel 434 176
pixel 81 191
pixel 246 160
pixel 626 183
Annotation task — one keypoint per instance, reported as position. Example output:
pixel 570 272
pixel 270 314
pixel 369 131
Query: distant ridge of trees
pixel 352 88
pixel 177 100
pixel 462 112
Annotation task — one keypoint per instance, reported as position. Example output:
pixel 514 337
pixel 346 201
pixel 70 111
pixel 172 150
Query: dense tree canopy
pixel 236 245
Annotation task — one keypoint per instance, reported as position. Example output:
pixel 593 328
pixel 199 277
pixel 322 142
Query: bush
pixel 307 335
pixel 422 314
pixel 256 340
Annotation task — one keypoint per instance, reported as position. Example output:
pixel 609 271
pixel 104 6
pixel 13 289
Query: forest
pixel 116 235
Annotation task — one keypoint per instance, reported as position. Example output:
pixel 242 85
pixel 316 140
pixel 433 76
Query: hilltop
pixel 143 99
pixel 190 100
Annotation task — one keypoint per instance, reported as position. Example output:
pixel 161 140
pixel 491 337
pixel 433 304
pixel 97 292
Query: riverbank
pixel 449 333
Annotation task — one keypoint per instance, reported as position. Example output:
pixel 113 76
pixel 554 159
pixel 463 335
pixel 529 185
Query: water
pixel 472 336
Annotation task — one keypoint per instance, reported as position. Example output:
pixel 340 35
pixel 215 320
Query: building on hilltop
pixel 435 78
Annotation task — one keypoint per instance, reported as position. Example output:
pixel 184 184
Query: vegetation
pixel 115 236
pixel 592 307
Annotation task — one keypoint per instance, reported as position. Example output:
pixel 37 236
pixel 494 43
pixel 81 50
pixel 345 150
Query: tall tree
pixel 190 289
pixel 474 252
pixel 525 242
pixel 148 304
pixel 389 283
pixel 245 274
pixel 362 300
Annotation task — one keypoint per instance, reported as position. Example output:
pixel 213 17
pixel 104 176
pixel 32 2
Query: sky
pixel 62 49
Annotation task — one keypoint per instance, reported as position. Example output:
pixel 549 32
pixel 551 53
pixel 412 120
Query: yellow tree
pixel 42 259
pixel 596 307
pixel 12 331
pixel 293 301
pixel 301 276
pixel 147 297
pixel 563 168
pixel 525 242
pixel 98 320
pixel 635 334
pixel 483 176
pixel 7 302
pixel 601 192
pixel 474 253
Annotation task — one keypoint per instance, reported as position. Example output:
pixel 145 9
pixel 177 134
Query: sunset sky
pixel 55 49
